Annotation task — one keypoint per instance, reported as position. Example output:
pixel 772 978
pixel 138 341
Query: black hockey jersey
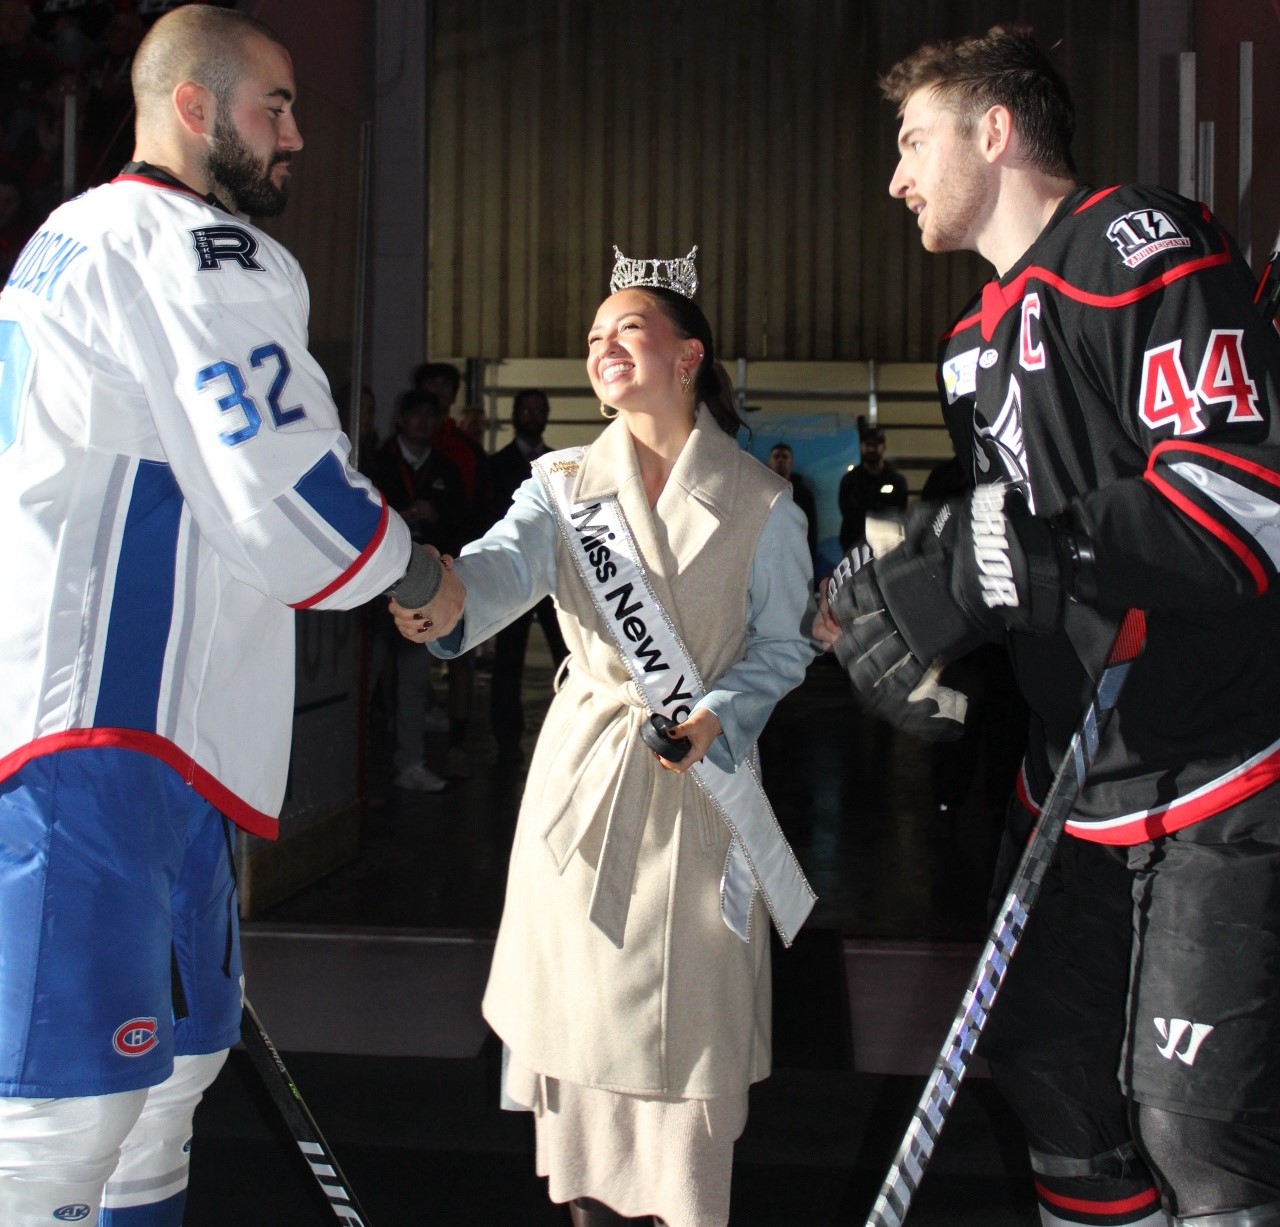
pixel 1121 368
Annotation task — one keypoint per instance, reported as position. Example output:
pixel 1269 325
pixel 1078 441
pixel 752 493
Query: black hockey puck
pixel 654 732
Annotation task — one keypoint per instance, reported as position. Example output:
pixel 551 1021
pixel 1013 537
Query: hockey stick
pixel 904 1177
pixel 301 1124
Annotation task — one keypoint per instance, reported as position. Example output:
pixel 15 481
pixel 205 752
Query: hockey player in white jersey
pixel 173 484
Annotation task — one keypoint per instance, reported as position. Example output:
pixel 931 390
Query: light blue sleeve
pixel 777 651
pixel 506 572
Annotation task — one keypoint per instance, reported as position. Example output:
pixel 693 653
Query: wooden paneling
pixel 753 128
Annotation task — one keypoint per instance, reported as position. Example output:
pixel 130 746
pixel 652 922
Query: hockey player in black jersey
pixel 1115 396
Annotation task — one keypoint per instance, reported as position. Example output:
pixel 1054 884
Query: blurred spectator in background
pixel 366 441
pixel 424 486
pixel 873 486
pixel 781 460
pixel 442 380
pixel 68 29
pixel 473 421
pixel 511 467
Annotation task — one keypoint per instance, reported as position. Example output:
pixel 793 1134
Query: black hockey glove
pixel 970 569
pixel 890 680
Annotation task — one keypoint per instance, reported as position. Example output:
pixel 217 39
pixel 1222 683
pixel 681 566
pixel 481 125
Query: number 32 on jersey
pixel 228 378
pixel 1169 398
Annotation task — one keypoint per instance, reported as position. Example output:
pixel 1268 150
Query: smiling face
pixel 635 357
pixel 941 176
pixel 255 134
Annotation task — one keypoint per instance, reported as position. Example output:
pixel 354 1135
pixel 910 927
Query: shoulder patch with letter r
pixel 214 244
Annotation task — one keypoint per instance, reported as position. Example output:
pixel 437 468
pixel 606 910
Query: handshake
pixel 428 602
pixel 933 587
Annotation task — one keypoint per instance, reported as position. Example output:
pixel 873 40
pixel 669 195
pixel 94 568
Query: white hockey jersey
pixel 173 484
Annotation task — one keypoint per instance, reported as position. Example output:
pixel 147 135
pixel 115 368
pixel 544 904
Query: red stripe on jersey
pixel 1203 449
pixel 1245 781
pixel 1023 792
pixel 255 821
pixel 379 533
pixel 998 299
pixel 1214 528
pixel 960 326
pixel 1093 200
pixel 1122 1205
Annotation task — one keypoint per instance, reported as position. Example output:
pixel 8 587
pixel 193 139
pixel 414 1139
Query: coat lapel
pixel 699 495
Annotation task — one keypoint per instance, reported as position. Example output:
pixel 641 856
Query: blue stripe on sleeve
pixel 351 511
pixel 141 603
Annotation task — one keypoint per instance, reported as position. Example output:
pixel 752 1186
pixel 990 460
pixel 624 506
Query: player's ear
pixel 995 132
pixel 195 106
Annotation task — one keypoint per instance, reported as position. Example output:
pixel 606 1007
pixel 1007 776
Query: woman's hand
pixel 825 629
pixel 702 728
pixel 440 615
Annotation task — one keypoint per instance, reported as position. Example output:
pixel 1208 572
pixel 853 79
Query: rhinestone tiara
pixel 677 273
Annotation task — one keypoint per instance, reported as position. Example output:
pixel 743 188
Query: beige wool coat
pixel 682 1008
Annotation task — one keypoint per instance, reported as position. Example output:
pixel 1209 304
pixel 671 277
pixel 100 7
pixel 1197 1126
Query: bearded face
pixel 255 184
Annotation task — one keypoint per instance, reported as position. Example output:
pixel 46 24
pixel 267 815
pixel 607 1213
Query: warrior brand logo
pixel 1142 234
pixel 991 547
pixel 854 560
pixel 75 1213
pixel 135 1037
pixel 1004 437
pixel 214 244
pixel 1173 1031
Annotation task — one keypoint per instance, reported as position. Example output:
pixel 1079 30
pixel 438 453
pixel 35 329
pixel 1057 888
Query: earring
pixel 686 381
pixel 608 412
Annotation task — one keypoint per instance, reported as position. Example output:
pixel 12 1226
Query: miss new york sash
pixel 759 859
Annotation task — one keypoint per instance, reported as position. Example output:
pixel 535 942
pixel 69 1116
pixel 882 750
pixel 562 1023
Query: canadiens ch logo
pixel 1182 1038
pixel 135 1037
pixel 1139 235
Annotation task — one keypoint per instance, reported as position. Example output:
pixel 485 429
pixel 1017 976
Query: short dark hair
pixel 781 447
pixel 873 434
pixel 1003 67
pixel 197 42
pixel 425 371
pixel 417 398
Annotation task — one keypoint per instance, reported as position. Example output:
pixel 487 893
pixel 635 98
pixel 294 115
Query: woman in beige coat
pixel 633 1018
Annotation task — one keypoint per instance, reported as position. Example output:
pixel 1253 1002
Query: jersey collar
pixel 146 173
